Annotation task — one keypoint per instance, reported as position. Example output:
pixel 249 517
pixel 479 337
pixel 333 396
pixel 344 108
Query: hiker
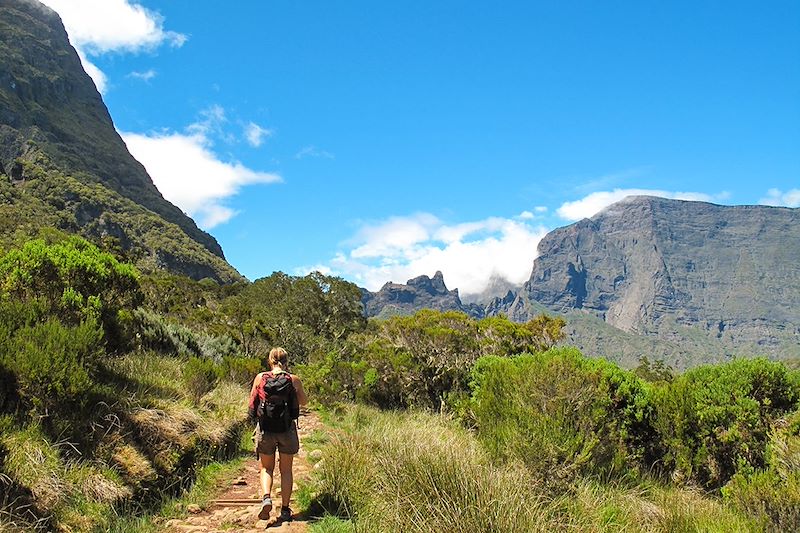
pixel 275 401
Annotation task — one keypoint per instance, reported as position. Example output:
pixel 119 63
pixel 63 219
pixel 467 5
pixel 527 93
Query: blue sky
pixel 379 141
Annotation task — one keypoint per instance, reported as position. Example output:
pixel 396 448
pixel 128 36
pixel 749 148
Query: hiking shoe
pixel 266 507
pixel 286 514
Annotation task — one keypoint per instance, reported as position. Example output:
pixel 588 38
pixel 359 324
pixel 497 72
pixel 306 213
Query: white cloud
pixel 777 197
pixel 147 75
pixel 469 254
pixel 97 27
pixel 313 151
pixel 395 237
pixel 255 134
pixel 530 215
pixel 190 175
pixel 100 26
pixel 595 202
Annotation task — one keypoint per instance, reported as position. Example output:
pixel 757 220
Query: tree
pixel 302 314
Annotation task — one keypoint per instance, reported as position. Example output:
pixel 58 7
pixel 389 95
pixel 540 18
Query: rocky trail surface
pixel 236 506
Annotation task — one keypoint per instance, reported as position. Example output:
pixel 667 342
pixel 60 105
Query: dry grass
pixel 136 468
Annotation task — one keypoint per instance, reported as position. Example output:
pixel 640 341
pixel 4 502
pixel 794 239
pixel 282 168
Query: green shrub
pixel 54 364
pixel 765 495
pixel 714 420
pixel 218 348
pixel 422 360
pixel 73 280
pixel 772 494
pixel 200 376
pixel 155 333
pixel 185 341
pixel 241 370
pixel 562 414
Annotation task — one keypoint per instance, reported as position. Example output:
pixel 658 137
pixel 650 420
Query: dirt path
pixel 235 510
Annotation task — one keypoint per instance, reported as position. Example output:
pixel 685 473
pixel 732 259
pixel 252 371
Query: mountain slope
pixel 726 277
pixel 54 127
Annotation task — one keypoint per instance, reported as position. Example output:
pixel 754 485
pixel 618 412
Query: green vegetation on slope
pixel 52 199
pixel 51 114
pixel 92 425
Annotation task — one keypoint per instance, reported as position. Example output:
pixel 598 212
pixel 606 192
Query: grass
pixel 332 524
pixel 152 443
pixel 418 472
pixel 67 492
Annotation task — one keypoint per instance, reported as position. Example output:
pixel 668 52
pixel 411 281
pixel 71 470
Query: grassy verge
pixel 424 473
pixel 149 440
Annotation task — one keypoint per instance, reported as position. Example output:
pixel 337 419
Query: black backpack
pixel 278 403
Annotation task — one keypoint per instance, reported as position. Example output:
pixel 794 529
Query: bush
pixel 72 279
pixel 241 370
pixel 54 364
pixel 765 495
pixel 200 377
pixel 153 332
pixel 561 414
pixel 773 494
pixel 714 420
pixel 421 360
pixel 218 348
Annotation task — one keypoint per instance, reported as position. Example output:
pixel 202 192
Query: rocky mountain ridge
pixel 732 272
pixel 421 292
pixel 58 145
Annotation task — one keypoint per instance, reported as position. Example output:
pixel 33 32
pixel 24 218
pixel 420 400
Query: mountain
pixel 708 279
pixel 419 293
pixel 684 282
pixel 63 164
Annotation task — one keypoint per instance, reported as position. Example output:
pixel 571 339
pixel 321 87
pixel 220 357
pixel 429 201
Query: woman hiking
pixel 275 401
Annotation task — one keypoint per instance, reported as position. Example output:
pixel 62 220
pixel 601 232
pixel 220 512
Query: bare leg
pixel 267 468
pixel 287 481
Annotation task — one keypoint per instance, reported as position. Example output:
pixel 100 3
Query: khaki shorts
pixel 286 443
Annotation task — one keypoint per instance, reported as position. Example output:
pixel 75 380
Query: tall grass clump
pixel 422 473
pixel 417 472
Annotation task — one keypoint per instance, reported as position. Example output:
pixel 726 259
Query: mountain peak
pixel 433 286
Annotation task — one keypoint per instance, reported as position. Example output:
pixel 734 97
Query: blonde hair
pixel 279 357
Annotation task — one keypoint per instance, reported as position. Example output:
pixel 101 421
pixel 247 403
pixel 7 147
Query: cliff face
pixel 53 121
pixel 651 266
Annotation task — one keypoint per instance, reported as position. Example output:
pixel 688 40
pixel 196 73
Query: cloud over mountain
pixel 469 253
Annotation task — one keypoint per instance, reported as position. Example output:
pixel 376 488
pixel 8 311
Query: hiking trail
pixel 236 507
